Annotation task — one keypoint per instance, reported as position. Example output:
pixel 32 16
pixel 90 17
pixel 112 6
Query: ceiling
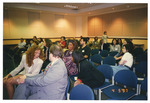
pixel 76 8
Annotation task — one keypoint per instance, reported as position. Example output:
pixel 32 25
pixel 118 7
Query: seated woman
pixel 47 44
pixel 87 73
pixel 114 46
pixel 71 66
pixel 31 61
pixel 62 42
pixel 119 55
pixel 50 84
pixel 126 61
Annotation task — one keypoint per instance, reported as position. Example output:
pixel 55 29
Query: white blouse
pixel 128 58
pixel 34 69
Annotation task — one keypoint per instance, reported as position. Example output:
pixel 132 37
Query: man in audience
pixel 50 84
pixel 20 47
pixel 84 49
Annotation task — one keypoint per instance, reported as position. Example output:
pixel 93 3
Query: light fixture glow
pixel 70 6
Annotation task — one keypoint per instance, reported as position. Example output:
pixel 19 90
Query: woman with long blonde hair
pixel 32 61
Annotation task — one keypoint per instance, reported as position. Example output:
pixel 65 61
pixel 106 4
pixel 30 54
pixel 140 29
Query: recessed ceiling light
pixel 113 8
pixel 128 6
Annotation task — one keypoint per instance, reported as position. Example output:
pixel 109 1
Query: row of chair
pixel 122 86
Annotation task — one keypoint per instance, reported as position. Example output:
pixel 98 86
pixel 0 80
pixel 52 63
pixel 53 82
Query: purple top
pixel 71 66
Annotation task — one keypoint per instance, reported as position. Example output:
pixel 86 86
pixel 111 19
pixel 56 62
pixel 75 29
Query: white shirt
pixel 21 44
pixel 34 69
pixel 129 58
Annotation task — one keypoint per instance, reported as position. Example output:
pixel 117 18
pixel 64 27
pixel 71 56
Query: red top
pixel 62 43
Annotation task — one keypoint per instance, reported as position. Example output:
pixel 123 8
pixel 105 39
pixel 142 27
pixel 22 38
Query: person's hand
pixel 6 77
pixel 21 79
pixel 77 83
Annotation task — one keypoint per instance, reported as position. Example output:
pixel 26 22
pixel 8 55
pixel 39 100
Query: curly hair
pixel 30 54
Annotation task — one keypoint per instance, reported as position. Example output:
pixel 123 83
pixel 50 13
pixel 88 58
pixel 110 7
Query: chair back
pixel 104 53
pixel 96 58
pixel 81 92
pixel 127 78
pixel 141 67
pixel 110 60
pixel 137 51
pixel 94 51
pixel 113 53
pixel 106 70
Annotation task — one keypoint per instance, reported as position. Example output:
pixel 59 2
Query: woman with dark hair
pixel 114 46
pixel 31 61
pixel 87 74
pixel 62 42
pixel 71 66
pixel 120 43
pixel 126 41
pixel 126 61
pixel 47 44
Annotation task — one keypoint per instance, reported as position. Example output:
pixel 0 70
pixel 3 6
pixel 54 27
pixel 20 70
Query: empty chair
pixel 96 58
pixel 125 86
pixel 81 92
pixel 137 51
pixel 109 60
pixel 94 51
pixel 113 53
pixel 108 73
pixel 141 69
pixel 104 53
pixel 141 57
pixel 143 92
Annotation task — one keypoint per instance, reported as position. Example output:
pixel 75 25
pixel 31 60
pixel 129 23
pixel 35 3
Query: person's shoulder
pixel 128 54
pixel 40 60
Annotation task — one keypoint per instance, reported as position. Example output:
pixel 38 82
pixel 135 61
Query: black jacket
pixel 90 75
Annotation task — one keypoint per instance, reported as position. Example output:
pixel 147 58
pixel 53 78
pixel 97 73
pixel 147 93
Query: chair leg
pixel 99 94
pixel 68 96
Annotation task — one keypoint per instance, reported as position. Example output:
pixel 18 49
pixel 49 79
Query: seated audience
pixel 87 73
pixel 62 42
pixel 126 61
pixel 84 49
pixel 41 43
pixel 50 84
pixel 20 47
pixel 102 45
pixel 114 46
pixel 71 66
pixel 31 61
pixel 120 43
pixel 95 43
pixel 47 44
pixel 119 55
pixel 35 40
